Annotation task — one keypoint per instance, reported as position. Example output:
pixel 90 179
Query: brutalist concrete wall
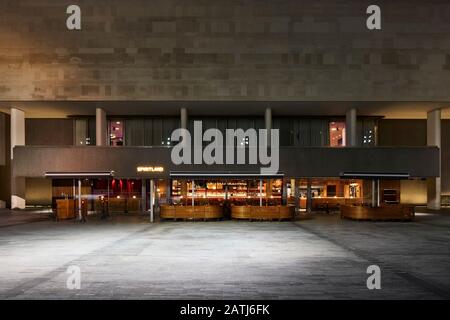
pixel 5 166
pixel 266 50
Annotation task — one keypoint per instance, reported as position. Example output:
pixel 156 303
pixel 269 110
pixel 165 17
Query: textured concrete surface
pixel 324 257
pixel 266 50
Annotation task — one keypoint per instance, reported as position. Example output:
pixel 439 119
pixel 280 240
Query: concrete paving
pixel 319 258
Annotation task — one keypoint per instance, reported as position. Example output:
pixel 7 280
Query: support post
pixel 80 215
pixel 193 192
pixel 17 139
pixel 152 188
pixel 260 192
pixel 374 204
pixel 268 121
pixel 434 139
pixel 284 199
pixel 308 196
pixel 378 193
pixel 144 195
pixel 100 127
pixel 350 128
pixel 296 188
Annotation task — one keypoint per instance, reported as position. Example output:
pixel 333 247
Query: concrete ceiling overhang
pixel 62 109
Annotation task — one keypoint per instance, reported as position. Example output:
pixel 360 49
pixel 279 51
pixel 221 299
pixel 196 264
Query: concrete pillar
pixel 268 121
pixel 168 190
pixel 350 128
pixel 17 139
pixel 3 142
pixel 144 195
pixel 434 139
pixel 260 192
pixel 183 118
pixel 80 215
pixel 101 130
pixel 308 196
pixel 296 189
pixel 284 199
pixel 152 191
pixel 193 192
pixel 374 193
pixel 5 170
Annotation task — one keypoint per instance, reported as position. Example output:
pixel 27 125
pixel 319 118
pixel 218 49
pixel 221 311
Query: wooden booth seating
pixel 205 212
pixel 390 212
pixel 263 212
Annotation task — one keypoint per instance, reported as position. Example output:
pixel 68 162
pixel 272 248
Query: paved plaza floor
pixel 323 257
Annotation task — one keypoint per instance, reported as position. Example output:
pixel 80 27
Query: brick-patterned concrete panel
pixel 225 50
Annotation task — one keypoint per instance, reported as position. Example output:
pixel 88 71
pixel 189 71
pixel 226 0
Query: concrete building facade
pixel 306 68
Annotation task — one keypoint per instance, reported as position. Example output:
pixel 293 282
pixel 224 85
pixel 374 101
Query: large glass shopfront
pixel 219 191
pixel 134 195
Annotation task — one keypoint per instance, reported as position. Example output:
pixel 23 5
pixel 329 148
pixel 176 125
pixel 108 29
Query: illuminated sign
pixel 150 169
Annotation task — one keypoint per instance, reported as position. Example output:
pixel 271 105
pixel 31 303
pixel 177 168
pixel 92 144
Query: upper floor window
pixel 337 134
pixel 85 132
pixel 116 132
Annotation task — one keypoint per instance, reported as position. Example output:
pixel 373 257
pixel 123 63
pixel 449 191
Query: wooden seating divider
pixel 263 212
pixel 191 212
pixel 389 212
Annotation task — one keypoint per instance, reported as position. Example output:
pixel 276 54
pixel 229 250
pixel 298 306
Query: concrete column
pixel 101 129
pixel 3 142
pixel 5 170
pixel 308 196
pixel 284 199
pixel 183 118
pixel 434 139
pixel 350 128
pixel 296 189
pixel 144 195
pixel 80 215
pixel 260 192
pixel 268 121
pixel 152 191
pixel 193 192
pixel 168 190
pixel 17 139
pixel 374 194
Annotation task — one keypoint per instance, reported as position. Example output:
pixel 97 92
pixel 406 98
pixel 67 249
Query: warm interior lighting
pixel 150 169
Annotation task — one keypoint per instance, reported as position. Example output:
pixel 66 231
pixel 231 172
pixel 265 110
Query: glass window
pixel 368 137
pixel 134 132
pixel 84 132
pixel 320 132
pixel 116 132
pixel 337 134
pixel 168 126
